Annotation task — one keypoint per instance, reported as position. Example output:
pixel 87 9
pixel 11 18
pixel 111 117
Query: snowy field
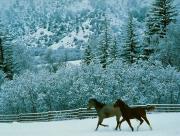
pixel 164 124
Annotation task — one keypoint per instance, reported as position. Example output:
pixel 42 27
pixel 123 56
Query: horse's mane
pixel 123 103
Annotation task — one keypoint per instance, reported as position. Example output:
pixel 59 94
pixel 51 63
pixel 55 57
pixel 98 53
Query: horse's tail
pixel 149 108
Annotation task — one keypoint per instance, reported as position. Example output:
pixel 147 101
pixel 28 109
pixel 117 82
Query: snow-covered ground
pixel 41 32
pixel 79 6
pixel 68 41
pixel 75 62
pixel 164 124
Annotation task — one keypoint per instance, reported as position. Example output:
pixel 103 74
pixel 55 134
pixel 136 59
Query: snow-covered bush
pixel 69 87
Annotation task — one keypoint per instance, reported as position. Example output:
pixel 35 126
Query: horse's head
pixel 119 103
pixel 91 103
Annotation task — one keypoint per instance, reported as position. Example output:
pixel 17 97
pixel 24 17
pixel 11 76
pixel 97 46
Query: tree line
pixel 161 16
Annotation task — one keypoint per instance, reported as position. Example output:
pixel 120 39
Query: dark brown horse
pixel 104 111
pixel 133 113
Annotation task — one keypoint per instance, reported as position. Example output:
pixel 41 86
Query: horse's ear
pixel 117 100
pixel 121 100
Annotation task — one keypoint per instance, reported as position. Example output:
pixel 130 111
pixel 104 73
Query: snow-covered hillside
pixel 41 32
pixel 164 124
pixel 116 11
pixel 80 5
pixel 69 41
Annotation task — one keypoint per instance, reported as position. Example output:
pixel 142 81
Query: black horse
pixel 131 113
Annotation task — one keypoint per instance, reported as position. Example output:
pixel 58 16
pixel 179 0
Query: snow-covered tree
pixel 130 51
pixel 1 46
pixel 169 53
pixel 160 18
pixel 104 44
pixel 1 54
pixel 162 14
pixel 113 50
pixel 8 57
pixel 88 56
pixel 22 57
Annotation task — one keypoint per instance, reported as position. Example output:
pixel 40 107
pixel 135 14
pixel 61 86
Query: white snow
pixel 75 62
pixel 164 124
pixel 41 32
pixel 79 6
pixel 68 41
pixel 32 38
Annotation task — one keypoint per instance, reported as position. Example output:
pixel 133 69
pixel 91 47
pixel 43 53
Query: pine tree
pixel 162 14
pixel 113 50
pixel 147 49
pixel 88 55
pixel 8 57
pixel 130 51
pixel 1 47
pixel 1 55
pixel 105 42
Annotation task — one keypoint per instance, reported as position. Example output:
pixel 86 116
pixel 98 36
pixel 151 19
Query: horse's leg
pixel 129 123
pixel 147 121
pixel 117 120
pixel 141 121
pixel 104 125
pixel 97 126
pixel 121 123
pixel 100 123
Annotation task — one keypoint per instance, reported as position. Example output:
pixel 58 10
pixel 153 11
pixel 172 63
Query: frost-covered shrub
pixel 71 87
